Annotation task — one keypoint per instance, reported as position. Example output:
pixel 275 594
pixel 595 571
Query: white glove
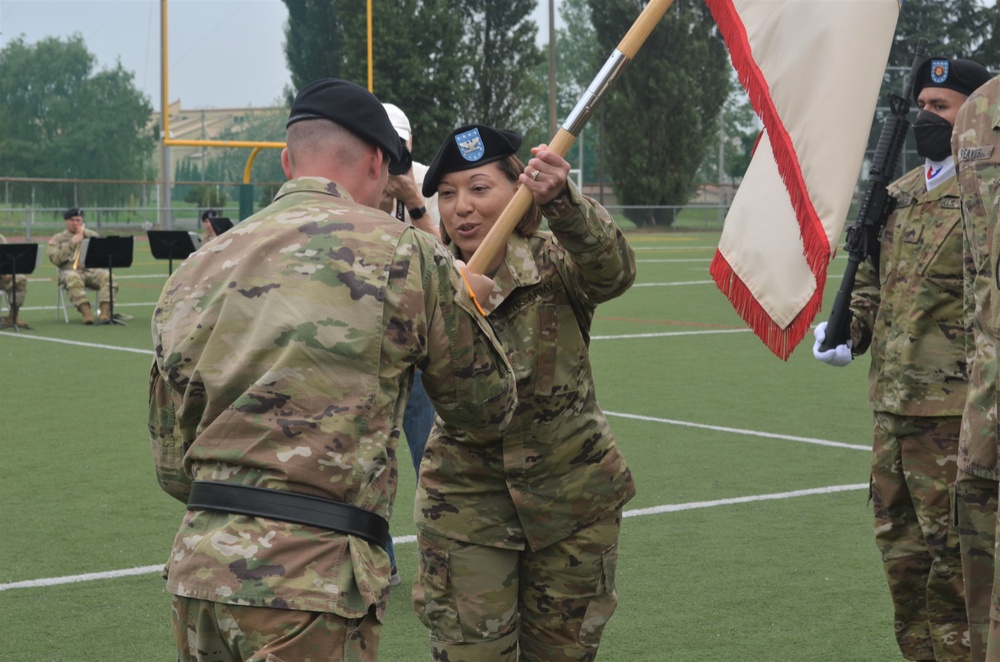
pixel 839 356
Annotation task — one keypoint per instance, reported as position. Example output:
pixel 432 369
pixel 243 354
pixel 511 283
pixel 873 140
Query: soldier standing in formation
pixel 910 314
pixel 64 251
pixel 976 147
pixel 283 362
pixel 518 533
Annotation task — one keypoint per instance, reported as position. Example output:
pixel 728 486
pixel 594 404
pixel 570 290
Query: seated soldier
pixel 14 286
pixel 208 232
pixel 64 252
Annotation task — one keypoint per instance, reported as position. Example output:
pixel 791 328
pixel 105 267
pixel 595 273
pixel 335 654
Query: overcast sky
pixel 222 53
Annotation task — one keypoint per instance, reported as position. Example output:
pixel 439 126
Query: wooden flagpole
pixel 496 238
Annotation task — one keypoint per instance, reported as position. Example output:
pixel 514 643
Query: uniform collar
pixel 314 185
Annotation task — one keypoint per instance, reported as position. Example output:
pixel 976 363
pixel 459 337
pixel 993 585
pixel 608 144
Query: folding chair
pixel 61 305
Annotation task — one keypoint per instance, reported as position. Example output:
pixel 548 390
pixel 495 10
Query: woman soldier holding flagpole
pixel 518 533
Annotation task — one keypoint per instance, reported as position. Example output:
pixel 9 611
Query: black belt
pixel 289 507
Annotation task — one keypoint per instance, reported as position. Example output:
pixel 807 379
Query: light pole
pixel 553 124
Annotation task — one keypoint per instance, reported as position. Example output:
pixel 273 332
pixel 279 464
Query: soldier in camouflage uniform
pixel 64 252
pixel 518 533
pixel 16 287
pixel 976 146
pixel 911 315
pixel 285 352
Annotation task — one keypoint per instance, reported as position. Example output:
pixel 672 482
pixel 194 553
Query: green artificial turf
pixel 703 411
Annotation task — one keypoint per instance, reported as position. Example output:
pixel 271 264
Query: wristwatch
pixel 418 212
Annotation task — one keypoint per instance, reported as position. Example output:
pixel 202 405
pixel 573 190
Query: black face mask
pixel 933 135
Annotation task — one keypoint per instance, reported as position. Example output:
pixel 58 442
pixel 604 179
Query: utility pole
pixel 552 68
pixel 165 216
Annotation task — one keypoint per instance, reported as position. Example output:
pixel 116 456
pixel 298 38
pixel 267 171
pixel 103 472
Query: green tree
pixel 953 29
pixel 578 59
pixel 416 64
pixel 62 119
pixel 662 116
pixel 738 135
pixel 314 39
pixel 501 51
pixel 206 195
pixel 444 62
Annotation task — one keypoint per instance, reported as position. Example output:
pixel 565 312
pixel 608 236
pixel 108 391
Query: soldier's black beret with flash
pixel 352 107
pixel 962 76
pixel 71 212
pixel 469 147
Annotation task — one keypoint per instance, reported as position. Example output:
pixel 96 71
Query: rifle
pixel 864 236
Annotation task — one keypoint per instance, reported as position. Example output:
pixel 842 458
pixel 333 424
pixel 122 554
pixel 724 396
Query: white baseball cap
pixel 399 120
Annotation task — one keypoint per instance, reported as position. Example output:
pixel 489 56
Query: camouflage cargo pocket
pixel 604 602
pixel 433 598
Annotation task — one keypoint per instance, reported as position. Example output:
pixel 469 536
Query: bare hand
pixel 545 175
pixel 404 187
pixel 482 286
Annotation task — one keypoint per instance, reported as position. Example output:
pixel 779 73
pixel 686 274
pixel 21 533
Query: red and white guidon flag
pixel 812 70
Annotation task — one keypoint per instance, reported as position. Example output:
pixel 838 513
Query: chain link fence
pixel 26 209
pixel 29 207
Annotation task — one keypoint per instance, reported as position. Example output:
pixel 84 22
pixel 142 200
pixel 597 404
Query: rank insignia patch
pixel 470 145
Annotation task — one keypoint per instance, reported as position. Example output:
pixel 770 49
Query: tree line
pixel 448 63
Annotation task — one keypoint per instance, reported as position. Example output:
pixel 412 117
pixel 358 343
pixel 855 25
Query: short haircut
pixel 308 139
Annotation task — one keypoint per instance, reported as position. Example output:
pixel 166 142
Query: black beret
pixel 469 147
pixel 209 213
pixel 71 212
pixel 352 107
pixel 963 76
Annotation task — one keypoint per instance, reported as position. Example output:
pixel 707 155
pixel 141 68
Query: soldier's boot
pixel 10 321
pixel 105 315
pixel 88 316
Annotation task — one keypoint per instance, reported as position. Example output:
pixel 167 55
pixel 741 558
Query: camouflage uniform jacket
pixel 975 143
pixel 556 468
pixel 285 352
pixel 61 249
pixel 911 315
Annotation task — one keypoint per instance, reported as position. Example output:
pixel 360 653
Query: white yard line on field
pixel 681 282
pixel 403 540
pixel 749 433
pixel 25 335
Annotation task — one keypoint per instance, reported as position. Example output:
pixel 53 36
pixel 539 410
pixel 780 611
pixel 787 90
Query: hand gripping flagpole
pixel 496 238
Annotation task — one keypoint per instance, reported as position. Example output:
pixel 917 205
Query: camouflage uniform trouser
pixel 215 632
pixel 18 291
pixel 976 517
pixel 77 283
pixel 486 603
pixel 914 463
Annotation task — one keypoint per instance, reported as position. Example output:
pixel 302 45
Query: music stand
pixel 172 245
pixel 220 224
pixel 18 259
pixel 107 253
